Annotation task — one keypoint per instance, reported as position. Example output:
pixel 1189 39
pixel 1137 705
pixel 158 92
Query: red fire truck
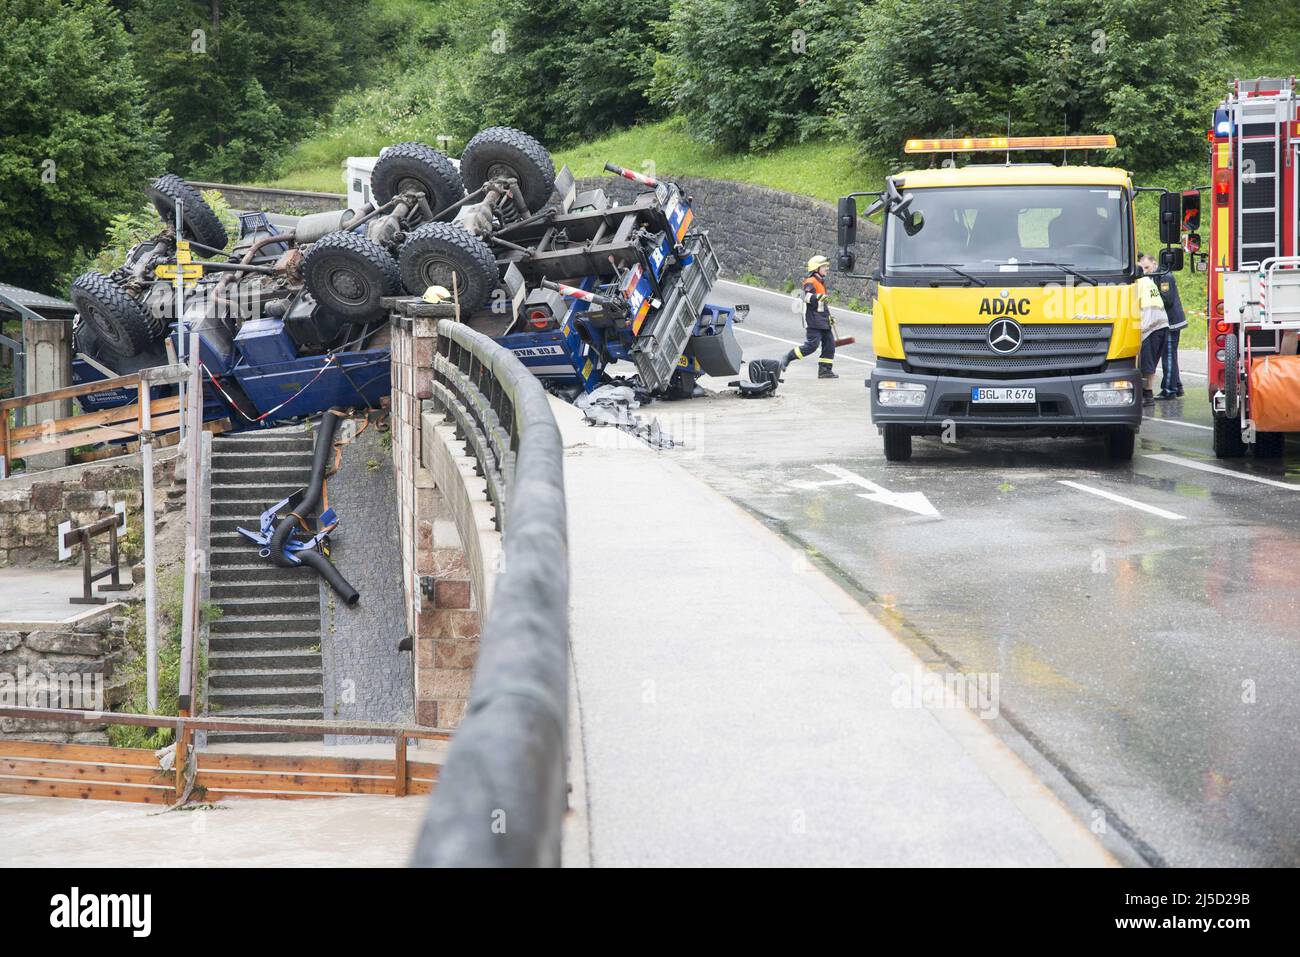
pixel 1254 267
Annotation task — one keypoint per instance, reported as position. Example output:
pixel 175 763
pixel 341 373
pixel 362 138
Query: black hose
pixel 333 577
pixel 329 423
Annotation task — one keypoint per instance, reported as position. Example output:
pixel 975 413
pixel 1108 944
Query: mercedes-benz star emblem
pixel 1005 336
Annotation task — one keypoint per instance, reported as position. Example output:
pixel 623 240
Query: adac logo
pixel 1004 306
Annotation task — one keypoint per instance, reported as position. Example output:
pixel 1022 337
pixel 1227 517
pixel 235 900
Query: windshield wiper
pixel 964 275
pixel 1064 267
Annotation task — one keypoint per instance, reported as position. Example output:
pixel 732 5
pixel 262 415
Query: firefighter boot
pixel 789 357
pixel 824 371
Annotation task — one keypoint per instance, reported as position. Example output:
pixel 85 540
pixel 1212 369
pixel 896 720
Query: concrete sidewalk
pixel 734 706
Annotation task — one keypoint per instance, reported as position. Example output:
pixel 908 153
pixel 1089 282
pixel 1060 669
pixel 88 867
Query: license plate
pixel 978 394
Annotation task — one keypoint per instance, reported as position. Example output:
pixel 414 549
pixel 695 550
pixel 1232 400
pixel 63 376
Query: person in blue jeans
pixel 1171 383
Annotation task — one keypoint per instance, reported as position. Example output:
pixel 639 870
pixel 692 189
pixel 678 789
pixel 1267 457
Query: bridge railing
pixel 501 796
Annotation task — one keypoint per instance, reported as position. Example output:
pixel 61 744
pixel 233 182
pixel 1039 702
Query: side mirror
pixel 1171 259
pixel 912 223
pixel 1191 210
pixel 846 232
pixel 1170 217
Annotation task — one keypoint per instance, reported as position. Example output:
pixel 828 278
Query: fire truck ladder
pixel 1263 123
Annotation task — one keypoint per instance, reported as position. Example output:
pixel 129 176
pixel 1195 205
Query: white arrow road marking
pixel 792 342
pixel 1140 506
pixel 1219 470
pixel 908 501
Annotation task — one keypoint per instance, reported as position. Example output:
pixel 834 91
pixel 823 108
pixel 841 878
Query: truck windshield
pixel 1039 230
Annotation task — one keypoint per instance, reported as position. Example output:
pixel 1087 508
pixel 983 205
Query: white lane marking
pixel 1190 425
pixel 1219 470
pixel 908 501
pixel 792 342
pixel 785 297
pixel 1140 506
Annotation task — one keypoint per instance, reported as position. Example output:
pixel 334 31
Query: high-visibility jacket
pixel 817 311
pixel 1152 305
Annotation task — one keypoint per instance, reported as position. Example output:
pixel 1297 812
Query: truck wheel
pixel 1227 438
pixel 502 151
pixel 121 325
pixel 1231 384
pixel 898 443
pixel 1120 442
pixel 440 254
pixel 415 166
pixel 1269 445
pixel 199 221
pixel 349 275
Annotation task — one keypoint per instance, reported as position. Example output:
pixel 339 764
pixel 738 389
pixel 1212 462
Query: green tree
pixel 76 143
pixel 242 78
pixel 560 69
pixel 749 73
pixel 1134 68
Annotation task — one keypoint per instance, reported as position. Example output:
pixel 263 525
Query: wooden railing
pixel 91 428
pixel 97 772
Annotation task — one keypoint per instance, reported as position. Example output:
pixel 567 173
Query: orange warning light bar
pixel 972 144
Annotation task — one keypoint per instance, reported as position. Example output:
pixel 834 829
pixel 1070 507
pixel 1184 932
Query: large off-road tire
pixel 1269 445
pixel 200 222
pixel 898 443
pixel 440 254
pixel 1227 438
pixel 122 327
pixel 415 166
pixel 349 274
pixel 502 151
pixel 1120 442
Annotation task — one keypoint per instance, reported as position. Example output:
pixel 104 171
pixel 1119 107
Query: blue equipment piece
pixel 328 520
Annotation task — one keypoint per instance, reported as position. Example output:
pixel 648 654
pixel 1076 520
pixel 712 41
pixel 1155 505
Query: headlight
pixel 907 394
pixel 1108 394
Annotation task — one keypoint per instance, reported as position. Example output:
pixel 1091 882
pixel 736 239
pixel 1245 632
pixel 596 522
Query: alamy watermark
pixel 57 689
pixel 923 688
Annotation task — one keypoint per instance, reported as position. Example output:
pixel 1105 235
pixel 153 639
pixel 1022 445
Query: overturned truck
pixel 292 317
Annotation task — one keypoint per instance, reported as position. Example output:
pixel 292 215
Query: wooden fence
pixel 91 428
pixel 101 773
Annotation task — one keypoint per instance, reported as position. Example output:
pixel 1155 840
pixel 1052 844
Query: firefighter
pixel 817 321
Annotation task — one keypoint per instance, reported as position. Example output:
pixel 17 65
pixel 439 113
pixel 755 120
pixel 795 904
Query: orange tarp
pixel 1275 393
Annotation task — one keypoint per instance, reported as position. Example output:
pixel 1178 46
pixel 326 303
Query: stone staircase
pixel 264 651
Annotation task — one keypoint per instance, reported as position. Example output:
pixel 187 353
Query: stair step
pixel 228 699
pixel 230 661
pixel 236 457
pixel 245 512
pixel 304 588
pixel 255 569
pixel 267 624
pixel 276 607
pixel 265 475
pixel 262 496
pixel 286 641
pixel 234 680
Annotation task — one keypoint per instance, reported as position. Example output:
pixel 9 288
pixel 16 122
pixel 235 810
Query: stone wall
pixel 62 666
pixel 289 201
pixel 33 506
pixel 442 607
pixel 763 232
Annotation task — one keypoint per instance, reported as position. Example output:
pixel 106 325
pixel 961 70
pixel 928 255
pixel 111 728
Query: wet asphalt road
pixel 1146 645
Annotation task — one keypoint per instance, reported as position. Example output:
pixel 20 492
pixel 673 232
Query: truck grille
pixel 1047 347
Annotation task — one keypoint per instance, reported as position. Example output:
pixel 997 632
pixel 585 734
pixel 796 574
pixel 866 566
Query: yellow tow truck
pixel 1006 296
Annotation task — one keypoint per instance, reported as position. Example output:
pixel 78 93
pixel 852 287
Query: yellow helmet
pixel 817 262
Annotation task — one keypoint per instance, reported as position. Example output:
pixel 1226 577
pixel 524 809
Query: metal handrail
pixel 501 795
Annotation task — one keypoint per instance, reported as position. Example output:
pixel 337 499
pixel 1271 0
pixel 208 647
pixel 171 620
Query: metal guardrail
pixel 502 793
